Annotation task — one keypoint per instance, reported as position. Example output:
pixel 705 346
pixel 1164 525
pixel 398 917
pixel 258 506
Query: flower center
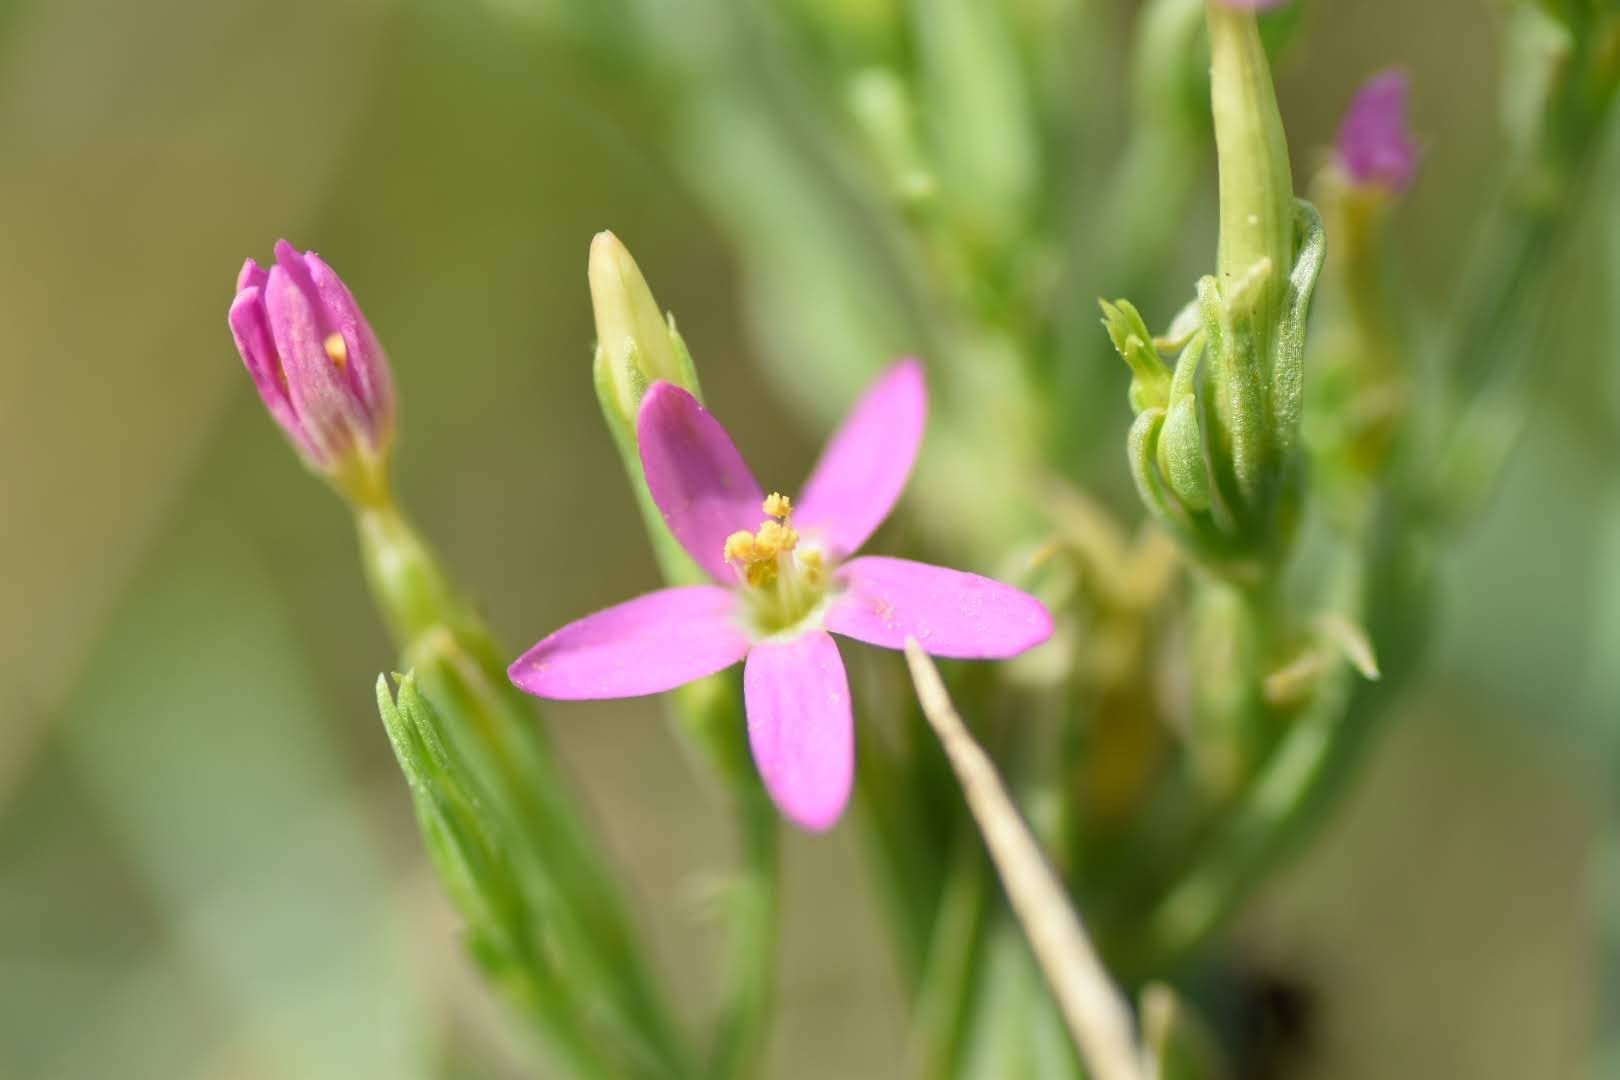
pixel 784 577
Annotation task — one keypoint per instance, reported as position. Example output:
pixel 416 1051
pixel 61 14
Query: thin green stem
pixel 1383 579
pixel 492 723
pixel 908 833
pixel 754 909
pixel 946 987
pixel 575 887
pixel 1505 295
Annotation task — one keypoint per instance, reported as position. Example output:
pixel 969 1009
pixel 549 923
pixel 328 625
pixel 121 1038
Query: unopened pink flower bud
pixel 316 362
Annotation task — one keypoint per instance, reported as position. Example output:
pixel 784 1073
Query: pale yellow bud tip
pixel 630 329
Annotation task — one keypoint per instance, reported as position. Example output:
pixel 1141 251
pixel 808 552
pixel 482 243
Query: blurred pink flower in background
pixel 1374 145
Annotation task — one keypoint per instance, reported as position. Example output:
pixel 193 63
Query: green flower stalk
pixel 1215 448
pixel 545 917
pixel 637 345
pixel 1562 80
pixel 471 858
pixel 1361 392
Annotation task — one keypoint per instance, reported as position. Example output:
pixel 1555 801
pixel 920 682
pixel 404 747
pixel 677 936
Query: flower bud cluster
pixel 1214 450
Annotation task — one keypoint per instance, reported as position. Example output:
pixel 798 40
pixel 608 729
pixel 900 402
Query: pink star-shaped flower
pixel 784 582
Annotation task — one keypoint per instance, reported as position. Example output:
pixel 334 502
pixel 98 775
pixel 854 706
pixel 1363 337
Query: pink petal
pixel 643 646
pixel 950 613
pixel 326 405
pixel 252 276
pixel 864 468
pixel 698 479
pixel 250 326
pixel 367 366
pixel 800 727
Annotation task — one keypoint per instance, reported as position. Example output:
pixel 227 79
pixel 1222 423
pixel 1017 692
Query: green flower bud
pixel 1150 379
pixel 1215 447
pixel 636 344
pixel 1257 188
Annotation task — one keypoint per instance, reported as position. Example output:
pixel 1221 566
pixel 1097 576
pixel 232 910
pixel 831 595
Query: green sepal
pixel 455 827
pixel 677 566
pixel 1150 378
pixel 1142 450
pixel 1181 455
pixel 1234 405
pixel 1187 322
pixel 1288 357
pixel 683 359
pixel 471 861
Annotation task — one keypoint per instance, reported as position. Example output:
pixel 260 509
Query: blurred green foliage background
pixel 207 862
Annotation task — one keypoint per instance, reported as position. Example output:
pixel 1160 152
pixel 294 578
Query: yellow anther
pixel 773 539
pixel 757 555
pixel 337 350
pixel 783 583
pixel 740 546
pixel 778 506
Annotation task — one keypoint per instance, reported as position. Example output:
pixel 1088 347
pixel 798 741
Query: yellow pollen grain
pixel 337 350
